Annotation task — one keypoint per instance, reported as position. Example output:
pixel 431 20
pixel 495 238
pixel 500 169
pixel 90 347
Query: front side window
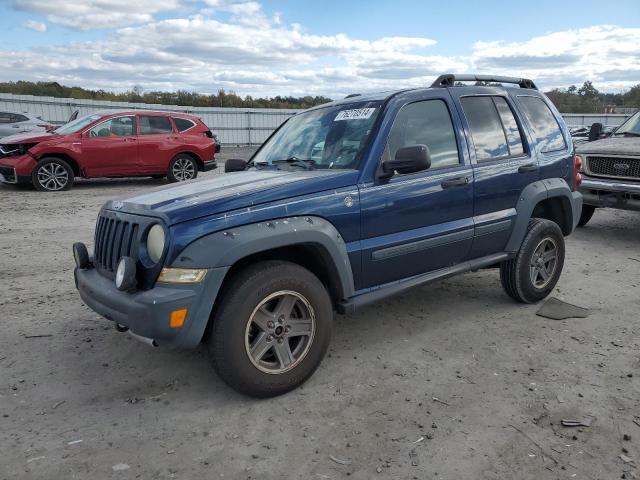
pixel 544 124
pixel 115 127
pixel 17 118
pixel 182 124
pixel 330 137
pixel 425 123
pixel 150 125
pixel 488 135
pixel 5 117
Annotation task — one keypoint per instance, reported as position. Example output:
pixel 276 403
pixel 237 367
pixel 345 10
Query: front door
pixel 416 223
pixel 110 148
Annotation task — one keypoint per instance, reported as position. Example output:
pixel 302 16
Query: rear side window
pixel 425 123
pixel 544 124
pixel 150 125
pixel 182 124
pixel 511 130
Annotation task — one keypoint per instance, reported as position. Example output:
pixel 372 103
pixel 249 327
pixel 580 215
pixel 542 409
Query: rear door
pixel 503 166
pixel 110 148
pixel 156 142
pixel 419 222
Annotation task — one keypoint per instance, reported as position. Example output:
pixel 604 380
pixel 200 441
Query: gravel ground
pixel 449 381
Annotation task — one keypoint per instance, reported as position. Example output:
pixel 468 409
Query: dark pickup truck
pixel 611 170
pixel 345 204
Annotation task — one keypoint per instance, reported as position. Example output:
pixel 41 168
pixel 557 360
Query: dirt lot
pixel 449 381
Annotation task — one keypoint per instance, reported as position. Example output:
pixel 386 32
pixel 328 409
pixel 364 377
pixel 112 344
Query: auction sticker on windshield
pixel 356 114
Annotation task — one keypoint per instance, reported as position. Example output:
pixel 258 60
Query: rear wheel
pixel 52 175
pixel 535 270
pixel 585 216
pixel 182 168
pixel 272 329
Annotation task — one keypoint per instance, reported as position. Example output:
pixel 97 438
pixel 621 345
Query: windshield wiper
pixel 297 162
pixel 630 134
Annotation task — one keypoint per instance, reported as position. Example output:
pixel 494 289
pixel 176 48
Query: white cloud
pixel 34 25
pixel 235 45
pixel 605 54
pixel 97 14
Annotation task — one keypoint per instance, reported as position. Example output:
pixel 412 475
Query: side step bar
pixel 389 289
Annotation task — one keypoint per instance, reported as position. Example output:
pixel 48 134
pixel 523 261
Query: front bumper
pixel 602 192
pixel 576 206
pixel 210 165
pixel 16 168
pixel 147 313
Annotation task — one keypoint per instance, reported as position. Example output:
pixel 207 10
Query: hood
pixel 231 191
pixel 29 137
pixel 612 145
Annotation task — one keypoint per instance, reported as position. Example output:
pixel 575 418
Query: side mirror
pixel 595 132
pixel 408 160
pixel 235 165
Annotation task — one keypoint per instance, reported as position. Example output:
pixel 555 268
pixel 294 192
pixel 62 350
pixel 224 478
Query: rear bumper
pixel 147 313
pixel 601 192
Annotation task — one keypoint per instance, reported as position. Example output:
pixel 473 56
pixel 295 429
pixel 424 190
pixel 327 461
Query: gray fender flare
pixel 224 248
pixel 531 196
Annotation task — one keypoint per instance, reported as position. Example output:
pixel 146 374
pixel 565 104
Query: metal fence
pixel 234 126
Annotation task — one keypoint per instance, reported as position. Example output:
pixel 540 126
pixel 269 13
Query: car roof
pixel 106 113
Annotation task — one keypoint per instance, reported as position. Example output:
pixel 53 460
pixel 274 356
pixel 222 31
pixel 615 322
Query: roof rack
pixel 449 79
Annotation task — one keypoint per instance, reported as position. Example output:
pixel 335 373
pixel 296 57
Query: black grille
pixel 114 239
pixel 614 167
pixel 9 174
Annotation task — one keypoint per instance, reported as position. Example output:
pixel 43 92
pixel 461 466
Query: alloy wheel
pixel 280 332
pixel 544 262
pixel 183 169
pixel 52 176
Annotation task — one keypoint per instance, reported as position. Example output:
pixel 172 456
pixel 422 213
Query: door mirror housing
pixel 408 160
pixel 235 165
pixel 595 132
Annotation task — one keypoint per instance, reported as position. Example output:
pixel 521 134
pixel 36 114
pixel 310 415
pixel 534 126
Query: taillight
pixel 577 166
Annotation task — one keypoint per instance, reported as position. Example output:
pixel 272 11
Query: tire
pixel 517 275
pixel 182 168
pixel 248 318
pixel 52 175
pixel 585 216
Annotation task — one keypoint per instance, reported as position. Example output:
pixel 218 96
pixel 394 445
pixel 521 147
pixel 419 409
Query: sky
pixel 325 47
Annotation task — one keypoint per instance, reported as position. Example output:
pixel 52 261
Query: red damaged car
pixel 123 144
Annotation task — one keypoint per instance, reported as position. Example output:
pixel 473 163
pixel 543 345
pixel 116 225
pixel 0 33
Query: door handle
pixel 455 182
pixel 130 139
pixel 529 167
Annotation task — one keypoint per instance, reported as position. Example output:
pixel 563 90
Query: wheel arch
pixel 193 155
pixel 551 199
pixel 75 166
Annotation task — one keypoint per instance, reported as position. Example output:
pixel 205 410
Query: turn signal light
pixel 577 166
pixel 177 318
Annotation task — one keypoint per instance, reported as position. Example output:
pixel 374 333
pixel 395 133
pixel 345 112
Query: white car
pixel 14 122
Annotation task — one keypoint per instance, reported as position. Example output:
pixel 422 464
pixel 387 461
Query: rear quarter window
pixel 183 124
pixel 545 126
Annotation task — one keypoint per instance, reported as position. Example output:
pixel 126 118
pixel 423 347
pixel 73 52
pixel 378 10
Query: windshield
pixel 77 125
pixel 630 127
pixel 331 137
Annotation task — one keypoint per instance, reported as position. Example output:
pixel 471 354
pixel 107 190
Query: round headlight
pixel 155 243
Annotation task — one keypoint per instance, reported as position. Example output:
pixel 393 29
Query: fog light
pixel 126 274
pixel 177 318
pixel 182 275
pixel 80 255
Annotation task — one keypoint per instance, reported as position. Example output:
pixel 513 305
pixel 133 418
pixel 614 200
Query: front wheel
pixel 272 329
pixel 535 270
pixel 52 175
pixel 182 168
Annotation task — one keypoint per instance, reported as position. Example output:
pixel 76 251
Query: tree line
pixel 584 99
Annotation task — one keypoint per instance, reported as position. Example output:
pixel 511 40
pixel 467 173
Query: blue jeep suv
pixel 345 204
